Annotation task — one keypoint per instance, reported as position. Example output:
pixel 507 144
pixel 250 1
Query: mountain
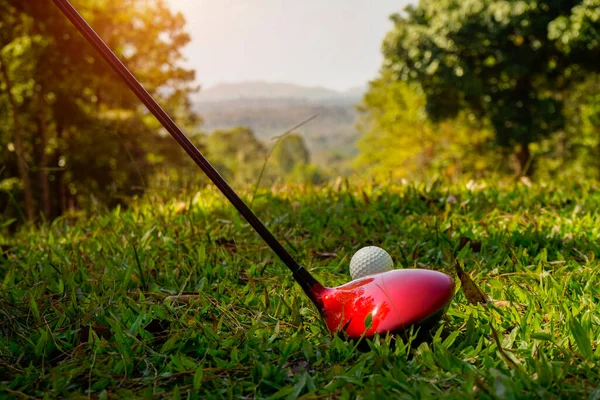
pixel 270 109
pixel 273 90
pixel 332 131
pixel 356 91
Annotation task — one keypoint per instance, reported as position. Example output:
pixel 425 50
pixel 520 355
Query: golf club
pixel 387 302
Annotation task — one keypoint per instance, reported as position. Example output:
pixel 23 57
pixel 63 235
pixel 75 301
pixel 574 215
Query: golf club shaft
pixel 302 276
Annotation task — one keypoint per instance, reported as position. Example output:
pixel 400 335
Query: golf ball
pixel 370 260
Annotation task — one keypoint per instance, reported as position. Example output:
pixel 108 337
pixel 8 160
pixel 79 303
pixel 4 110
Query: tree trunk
pixel 21 164
pixel 525 162
pixel 41 122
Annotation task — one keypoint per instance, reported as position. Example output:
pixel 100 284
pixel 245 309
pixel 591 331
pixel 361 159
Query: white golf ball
pixel 370 260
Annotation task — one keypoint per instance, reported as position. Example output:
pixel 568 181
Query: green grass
pixel 82 311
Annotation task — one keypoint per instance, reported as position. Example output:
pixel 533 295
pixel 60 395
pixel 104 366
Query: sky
pixel 330 43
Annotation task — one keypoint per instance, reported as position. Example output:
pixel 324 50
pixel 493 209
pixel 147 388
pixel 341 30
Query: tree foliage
pixel 400 142
pixel 578 147
pixel 85 135
pixel 289 152
pixel 508 62
pixel 243 159
pixel 236 153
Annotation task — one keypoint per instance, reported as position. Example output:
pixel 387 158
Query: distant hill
pixel 270 109
pixel 272 90
pixel 332 131
pixel 356 91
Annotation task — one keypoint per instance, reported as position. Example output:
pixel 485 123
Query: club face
pixel 388 302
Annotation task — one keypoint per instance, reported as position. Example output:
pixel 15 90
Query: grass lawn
pixel 83 310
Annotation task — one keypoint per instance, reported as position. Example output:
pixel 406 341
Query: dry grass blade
pixel 182 299
pixel 228 244
pixel 507 304
pixel 472 292
pixel 324 254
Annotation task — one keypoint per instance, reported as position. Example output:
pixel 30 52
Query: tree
pixel 400 142
pixel 236 153
pixel 289 152
pixel 18 141
pixel 504 61
pixel 86 135
pixel 15 93
pixel 577 34
pixel 579 144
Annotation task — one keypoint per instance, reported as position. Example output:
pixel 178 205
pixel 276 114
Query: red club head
pixel 395 300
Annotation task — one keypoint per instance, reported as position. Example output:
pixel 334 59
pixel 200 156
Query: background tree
pixel 289 152
pixel 237 154
pixel 577 148
pixel 291 158
pixel 16 91
pixel 400 142
pixel 85 135
pixel 503 61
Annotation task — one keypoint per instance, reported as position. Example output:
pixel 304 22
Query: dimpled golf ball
pixel 370 260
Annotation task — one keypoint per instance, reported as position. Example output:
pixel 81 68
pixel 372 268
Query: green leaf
pixel 34 307
pixel 281 393
pixel 541 336
pixel 176 393
pixel 369 321
pixel 198 377
pixel 581 338
pixel 299 386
